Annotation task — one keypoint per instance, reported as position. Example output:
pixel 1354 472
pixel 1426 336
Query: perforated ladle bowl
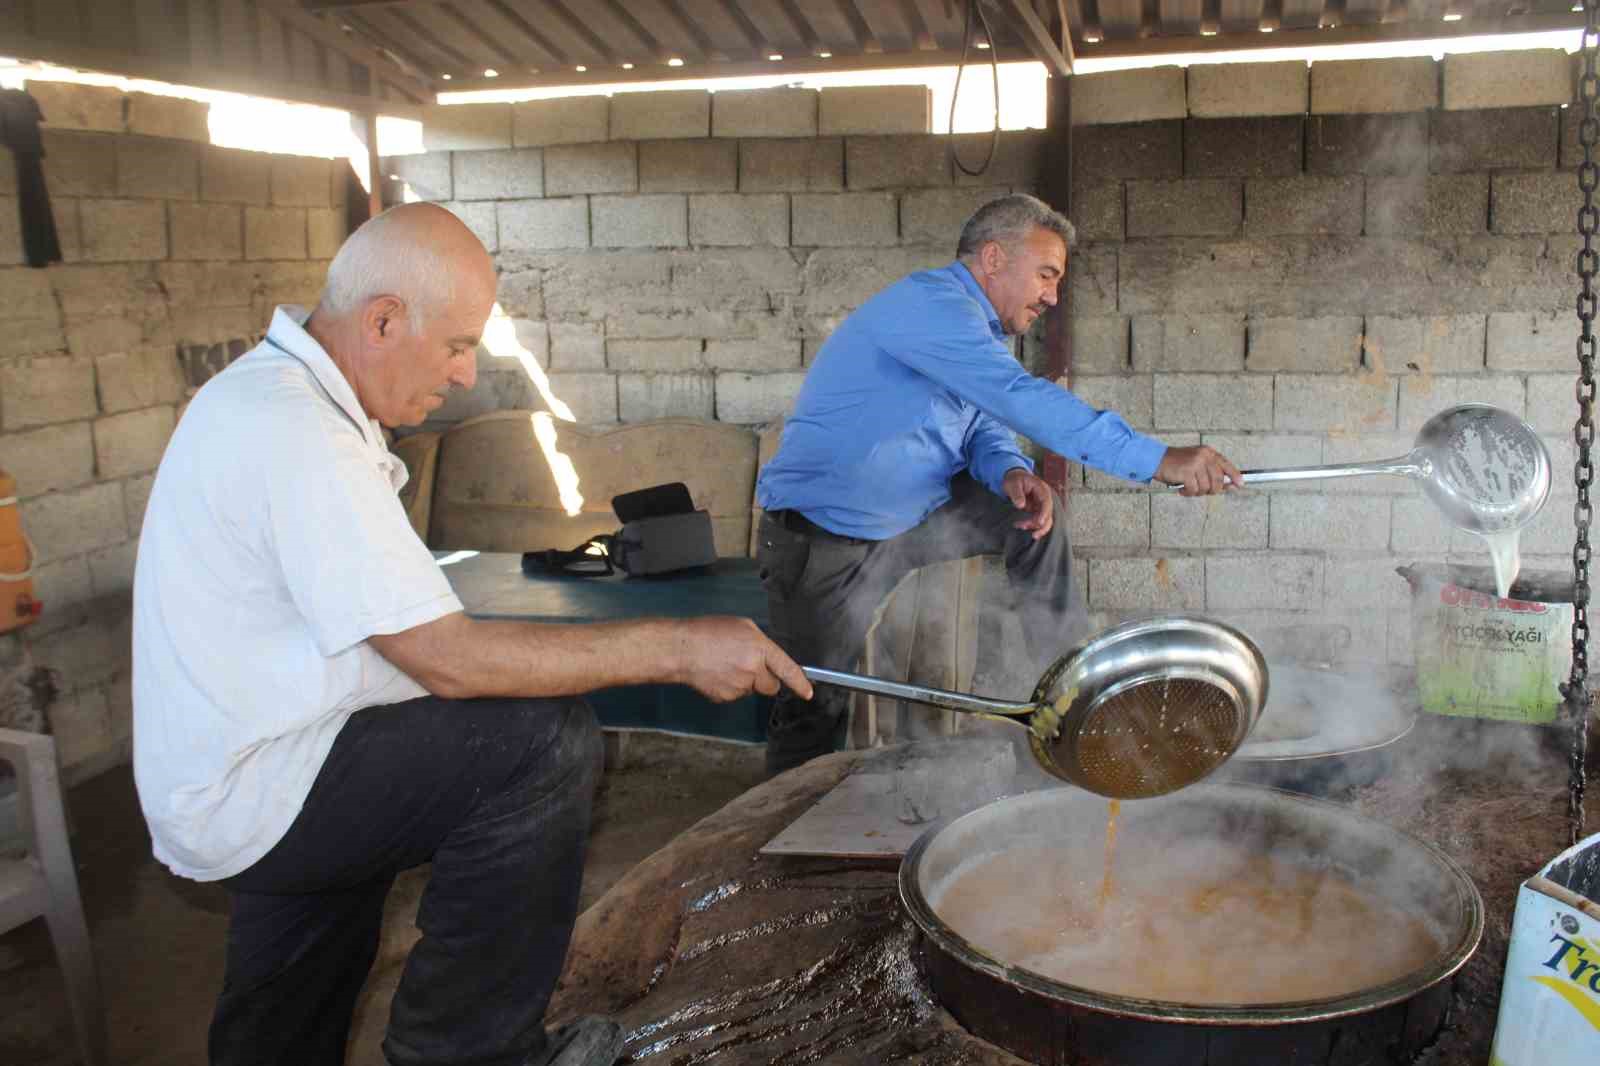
pixel 1139 710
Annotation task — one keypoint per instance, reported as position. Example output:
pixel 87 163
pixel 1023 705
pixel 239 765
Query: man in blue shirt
pixel 902 452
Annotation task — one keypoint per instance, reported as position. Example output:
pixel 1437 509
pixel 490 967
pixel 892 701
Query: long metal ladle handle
pixel 1411 465
pixel 937 697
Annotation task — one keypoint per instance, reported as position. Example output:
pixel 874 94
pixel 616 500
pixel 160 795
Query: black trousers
pixel 497 795
pixel 823 589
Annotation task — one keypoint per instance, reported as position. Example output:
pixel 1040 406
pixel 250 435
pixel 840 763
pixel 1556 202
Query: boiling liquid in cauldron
pixel 1202 923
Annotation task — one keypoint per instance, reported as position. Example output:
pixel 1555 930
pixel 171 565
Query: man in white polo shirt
pixel 313 712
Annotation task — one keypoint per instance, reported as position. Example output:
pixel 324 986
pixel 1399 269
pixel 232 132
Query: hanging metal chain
pixel 1583 431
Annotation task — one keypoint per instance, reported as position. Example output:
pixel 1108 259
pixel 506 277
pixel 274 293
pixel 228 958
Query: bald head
pixel 420 254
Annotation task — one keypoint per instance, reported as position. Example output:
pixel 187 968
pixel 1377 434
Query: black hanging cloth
pixel 19 131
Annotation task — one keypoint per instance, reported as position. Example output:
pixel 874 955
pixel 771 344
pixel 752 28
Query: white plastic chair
pixel 44 883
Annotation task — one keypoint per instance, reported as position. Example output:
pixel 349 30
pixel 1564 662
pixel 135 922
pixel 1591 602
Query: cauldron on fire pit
pixel 1159 846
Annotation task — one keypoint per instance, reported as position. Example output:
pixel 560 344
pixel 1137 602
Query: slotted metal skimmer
pixel 1140 710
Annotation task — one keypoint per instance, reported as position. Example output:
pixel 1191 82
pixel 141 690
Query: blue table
pixel 492 585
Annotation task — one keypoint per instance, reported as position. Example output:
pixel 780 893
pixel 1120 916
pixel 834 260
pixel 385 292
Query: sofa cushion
pixel 420 453
pixel 495 490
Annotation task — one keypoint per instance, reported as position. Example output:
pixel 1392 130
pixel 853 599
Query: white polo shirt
pixel 274 545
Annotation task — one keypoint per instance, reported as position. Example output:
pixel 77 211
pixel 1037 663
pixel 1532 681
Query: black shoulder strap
pixel 579 562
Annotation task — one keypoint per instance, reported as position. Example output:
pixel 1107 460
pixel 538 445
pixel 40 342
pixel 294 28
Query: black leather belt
pixel 795 522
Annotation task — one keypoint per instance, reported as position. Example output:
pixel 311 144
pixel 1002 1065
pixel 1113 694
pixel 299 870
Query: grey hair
pixel 1009 220
pixel 380 259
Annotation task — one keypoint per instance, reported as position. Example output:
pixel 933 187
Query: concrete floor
pixel 158 939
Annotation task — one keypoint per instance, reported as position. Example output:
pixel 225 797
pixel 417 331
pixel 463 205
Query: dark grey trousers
pixel 497 795
pixel 822 590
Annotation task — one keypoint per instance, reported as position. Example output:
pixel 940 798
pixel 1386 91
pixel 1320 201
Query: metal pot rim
pixel 1450 958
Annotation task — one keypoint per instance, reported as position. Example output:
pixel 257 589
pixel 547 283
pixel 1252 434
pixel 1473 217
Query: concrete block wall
pixel 1295 264
pixel 1300 266
pixel 175 254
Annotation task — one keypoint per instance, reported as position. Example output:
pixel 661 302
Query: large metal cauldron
pixel 1057 1024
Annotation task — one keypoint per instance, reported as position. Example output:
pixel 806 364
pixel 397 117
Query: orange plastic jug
pixel 17 605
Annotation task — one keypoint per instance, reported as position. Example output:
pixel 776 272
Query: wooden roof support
pixel 382 66
pixel 1037 37
pixel 865 39
pixel 551 50
pixel 697 34
pixel 582 30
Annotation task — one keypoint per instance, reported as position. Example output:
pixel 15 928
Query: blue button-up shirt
pixel 916 386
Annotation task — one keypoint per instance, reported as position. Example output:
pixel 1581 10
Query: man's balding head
pixel 403 310
pixel 420 254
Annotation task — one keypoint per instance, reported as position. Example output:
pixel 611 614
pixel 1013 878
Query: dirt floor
pixel 158 939
pixel 1491 796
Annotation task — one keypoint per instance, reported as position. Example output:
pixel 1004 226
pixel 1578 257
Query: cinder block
pixel 689 166
pixel 1100 344
pixel 132 442
pixel 896 162
pixel 1243 147
pixel 764 113
pixel 1223 90
pixel 1017 160
pixel 563 120
pixel 638 280
pixel 1130 395
pixel 465 127
pixel 1511 138
pixel 843 219
pixel 1109 520
pixel 32 335
pixel 46 389
pixel 655 356
pixel 750 399
pixel 652 115
pixel 81 724
pixel 1304 205
pixel 739 219
pixel 111 569
pixel 1571 142
pixel 1552 401
pixel 543 224
pixel 1145 584
pixel 593 168
pixel 1303 521
pixel 479 216
pixel 274 233
pixel 1422 397
pixel 1369 86
pixel 1540 202
pixel 1366 581
pixel 145 377
pixel 1367 144
pixel 124 230
pixel 1260 450
pixel 836 281
pixel 641 397
pixel 1212 401
pixel 773 353
pixel 1093 281
pixel 1526 78
pixel 1132 151
pixel 592 396
pixel 70 106
pixel 1348 404
pixel 1194 207
pixel 169 116
pixel 1097 211
pixel 1418 527
pixel 1533 340
pixel 64 524
pixel 792 165
pixel 577 346
pixel 1165 343
pixel 27 293
pixel 1305 345
pixel 154 168
pixel 1424 344
pixel 10 233
pixel 427 173
pixel 325 231
pixel 69 229
pixel 505 174
pixel 50 459
pixel 499 389
pixel 61 584
pixel 300 181
pixel 1142 95
pixel 678 324
pixel 936 216
pixel 874 109
pixel 75 164
pixel 88 291
pixel 1263 580
pixel 1234 522
pixel 521 290
pixel 207 231
pixel 660 221
pixel 1434 205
